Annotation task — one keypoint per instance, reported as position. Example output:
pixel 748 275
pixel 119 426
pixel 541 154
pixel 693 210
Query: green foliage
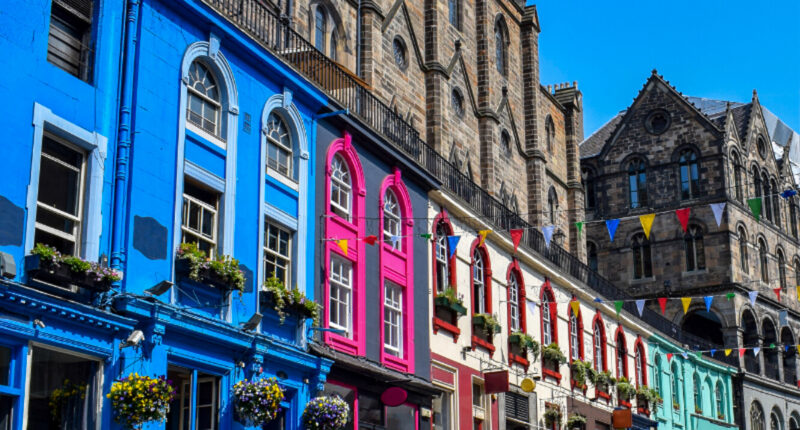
pixel 575 421
pixel 487 322
pixel 450 294
pixel 46 253
pixel 625 389
pixel 649 394
pixel 553 352
pixel 528 344
pixel 223 266
pixel 77 264
pixel 601 379
pixel 290 299
pixel 580 370
pixel 552 414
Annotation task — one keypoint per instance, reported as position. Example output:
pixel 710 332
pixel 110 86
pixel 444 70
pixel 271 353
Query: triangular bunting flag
pixel 426 236
pixel 783 318
pixel 640 306
pixel 713 351
pixel 718 209
pixel 547 231
pixel 576 307
pixel 662 303
pixel 728 352
pixel 785 348
pixel 394 239
pixel 579 227
pixel 777 293
pixel 342 245
pixel 611 225
pixel 483 234
pixel 708 300
pixel 730 295
pixel 598 300
pixel 798 293
pixel 669 356
pixel 772 345
pixel 684 355
pixel 516 236
pixel 371 239
pixel 755 207
pixel 741 352
pixel 452 242
pixel 686 301
pixel 753 295
pixel 683 217
pixel 699 354
pixel 788 193
pixel 756 350
pixel 647 223
pixel 618 305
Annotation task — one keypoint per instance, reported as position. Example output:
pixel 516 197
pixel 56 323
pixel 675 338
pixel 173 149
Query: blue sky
pixel 705 48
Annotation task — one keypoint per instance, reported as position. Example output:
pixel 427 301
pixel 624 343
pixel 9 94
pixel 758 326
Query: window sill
pixel 440 324
pixel 476 341
pixel 514 358
pixel 643 280
pixel 283 179
pixel 551 374
pixel 625 403
pixel 216 140
pixel 694 273
pixel 387 247
pixel 342 344
pixel 603 395
pixel 396 363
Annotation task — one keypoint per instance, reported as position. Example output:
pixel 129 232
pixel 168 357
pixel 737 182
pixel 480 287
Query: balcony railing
pixel 256 19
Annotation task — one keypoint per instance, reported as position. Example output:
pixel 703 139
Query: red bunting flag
pixel 371 239
pixel 741 351
pixel 662 302
pixel 516 236
pixel 683 217
pixel 669 356
pixel 777 293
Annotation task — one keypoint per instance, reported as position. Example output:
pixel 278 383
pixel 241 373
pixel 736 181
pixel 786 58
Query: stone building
pixel 481 106
pixel 667 152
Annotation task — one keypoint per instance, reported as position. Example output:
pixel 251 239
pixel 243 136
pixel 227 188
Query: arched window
pixel 279 145
pixel 762 258
pixel 743 250
pixel 391 221
pixel 549 330
pixel 719 400
pixel 333 45
pixel 756 417
pixel 641 364
pixel 794 422
pixel 793 216
pixel 758 191
pixel 689 174
pixel 776 202
pixel 552 205
pixel 599 344
pixel 480 281
pixel 738 172
pixel 575 335
pixel 797 270
pixel 750 339
pixel 622 356
pixel 781 269
pixel 514 303
pixel 675 377
pixel 550 132
pixel 454 9
pixel 695 254
pixel 591 255
pixel 637 183
pixel 642 262
pixel 443 261
pixel 789 356
pixel 500 47
pixel 588 188
pixel 775 420
pixel 770 336
pixel 698 399
pixel 766 200
pixel 320 27
pixel 341 188
pixel 657 374
pixel 204 100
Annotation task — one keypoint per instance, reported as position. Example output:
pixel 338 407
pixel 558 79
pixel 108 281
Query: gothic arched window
pixel 695 253
pixel 642 261
pixel 637 183
pixel 689 174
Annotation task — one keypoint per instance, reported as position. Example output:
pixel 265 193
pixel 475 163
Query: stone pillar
pixel 535 164
pixel 434 79
pixel 370 40
pixel 575 191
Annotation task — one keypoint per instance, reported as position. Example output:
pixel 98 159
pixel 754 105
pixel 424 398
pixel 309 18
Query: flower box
pixel 447 304
pixel 60 274
pixel 270 299
pixel 488 327
pixel 207 276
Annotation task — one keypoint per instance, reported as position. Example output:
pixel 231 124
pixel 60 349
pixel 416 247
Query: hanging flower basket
pixel 137 399
pixel 257 402
pixel 326 413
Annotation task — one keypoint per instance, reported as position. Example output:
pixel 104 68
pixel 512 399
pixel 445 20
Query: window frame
pixel 640 362
pixel 217 106
pixel 395 308
pixel 763 258
pixel 289 269
pixel 547 297
pixel 642 256
pixel 204 206
pixel 342 187
pixel 743 252
pixel 575 323
pixel 439 243
pixel 637 183
pixel 280 147
pixel 694 249
pixel 454 8
pixel 86 44
pixel 688 174
pixel 501 46
pixel 599 344
pixel 621 348
pixel 348 288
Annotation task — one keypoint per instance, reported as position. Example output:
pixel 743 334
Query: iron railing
pixel 267 28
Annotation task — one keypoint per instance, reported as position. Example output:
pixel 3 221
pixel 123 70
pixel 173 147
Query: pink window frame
pixel 398 266
pixel 513 269
pixel 487 286
pixel 355 399
pixel 638 345
pixel 336 227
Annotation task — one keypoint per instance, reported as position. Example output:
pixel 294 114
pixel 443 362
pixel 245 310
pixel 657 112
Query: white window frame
pixel 214 210
pixel 342 187
pixel 547 329
pixel 451 415
pixel 276 254
pixel 639 359
pixel 280 148
pixel 393 317
pixel 598 348
pixel 442 260
pixel 391 218
pixel 216 135
pixel 478 282
pixel 573 336
pixel 346 288
pixel 513 301
pixel 94 146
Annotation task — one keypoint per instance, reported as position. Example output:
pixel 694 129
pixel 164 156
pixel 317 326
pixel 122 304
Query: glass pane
pixel 59 186
pixel 205 393
pixel 402 417
pixel 5 366
pixel 370 410
pixel 58 222
pixel 63 246
pixel 208 223
pixel 193 220
pixel 70 406
pixel 5 412
pixel 205 418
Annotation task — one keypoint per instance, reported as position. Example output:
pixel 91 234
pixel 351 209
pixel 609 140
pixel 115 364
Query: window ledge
pixel 603 395
pixel 642 280
pixel 694 273
pixel 440 324
pixel 216 140
pixel 514 358
pixel 551 373
pixel 283 179
pixel 476 341
pixel 396 363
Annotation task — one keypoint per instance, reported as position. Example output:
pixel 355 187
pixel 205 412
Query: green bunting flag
pixel 579 226
pixel 730 295
pixel 618 305
pixel 426 236
pixel 755 207
pixel 699 354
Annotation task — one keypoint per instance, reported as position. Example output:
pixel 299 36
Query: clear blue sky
pixel 705 48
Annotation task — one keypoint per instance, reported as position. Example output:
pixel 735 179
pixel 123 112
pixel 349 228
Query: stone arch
pixel 750 338
pixel 704 324
pixel 789 353
pixel 770 341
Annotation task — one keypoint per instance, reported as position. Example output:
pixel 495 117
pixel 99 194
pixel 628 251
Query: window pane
pixel 402 417
pixel 477 395
pixel 441 411
pixel 73 407
pixel 5 366
pixel 5 412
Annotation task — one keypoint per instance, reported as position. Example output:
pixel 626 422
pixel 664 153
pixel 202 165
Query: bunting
pixel 742 351
pixel 753 295
pixel 483 234
pixel 452 242
pixel 516 236
pixel 669 356
pixel 531 307
pixel 612 225
pixel 647 223
pixel 718 209
pixel 547 231
pixel 342 245
pixel 684 355
pixel 686 301
pixel 394 239
pixel 708 300
pixel 618 305
pixel 783 318
pixel 579 227
pixel 371 239
pixel 730 295
pixel 640 306
pixel 713 351
pixel 755 207
pixel 727 351
pixel 576 307
pixel 683 217
pixel 756 350
pixel 427 236
pixel 777 292
pixel 662 303
pixel 788 193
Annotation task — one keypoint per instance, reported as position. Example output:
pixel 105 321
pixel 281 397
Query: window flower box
pixel 486 323
pixel 222 273
pixel 48 265
pixel 288 301
pixel 447 304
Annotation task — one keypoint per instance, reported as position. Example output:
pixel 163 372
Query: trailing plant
pixel 76 265
pixel 284 298
pixel 721 416
pixel 527 343
pixel 603 378
pixel 326 413
pixel 552 414
pixel 488 322
pixel 698 410
pixel 553 352
pixel 223 266
pixel 257 402
pixel 625 389
pixel 580 370
pixel 449 293
pixel 137 399
pixel 46 253
pixel 651 395
pixel 575 421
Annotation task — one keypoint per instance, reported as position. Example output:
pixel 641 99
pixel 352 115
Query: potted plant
pixel 552 357
pixel 448 300
pixel 552 415
pixel 676 406
pixel 222 272
pixel 721 416
pixel 487 323
pixel 257 402
pixel 575 421
pixel 646 397
pixel 580 370
pixel 285 300
pixel 524 343
pixel 137 399
pixel 601 380
pixel 326 413
pixel 625 390
pixel 45 263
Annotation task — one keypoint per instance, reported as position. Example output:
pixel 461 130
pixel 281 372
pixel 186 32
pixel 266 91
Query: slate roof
pixel 593 144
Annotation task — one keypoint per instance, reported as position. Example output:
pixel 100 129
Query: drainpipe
pixel 128 60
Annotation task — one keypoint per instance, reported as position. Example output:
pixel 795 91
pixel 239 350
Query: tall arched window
pixel 698 399
pixel 279 145
pixel 637 183
pixel 794 421
pixel 776 202
pixel 743 250
pixel 550 133
pixel 642 262
pixel 675 377
pixel 549 318
pixel 622 356
pixel 341 188
pixel 719 400
pixel 588 188
pixel 454 13
pixel 641 364
pixel 797 271
pixel 500 47
pixel 320 27
pixel 657 374
pixel 770 337
pixel 591 255
pixel 789 356
pixel 762 258
pixel 552 205
pixel 738 172
pixel 758 191
pixel 478 286
pixel 514 305
pixel 781 269
pixel 690 181
pixel 442 258
pixel 766 200
pixel 695 253
pixel 599 334
pixel 775 420
pixel 756 417
pixel 793 216
pixel 391 221
pixel 332 53
pixel 204 100
pixel 575 335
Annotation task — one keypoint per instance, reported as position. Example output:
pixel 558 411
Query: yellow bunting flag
pixel 483 234
pixel 342 244
pixel 728 352
pixel 798 292
pixel 576 307
pixel 686 301
pixel 647 223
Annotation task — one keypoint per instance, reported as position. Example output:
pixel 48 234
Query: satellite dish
pixel 527 385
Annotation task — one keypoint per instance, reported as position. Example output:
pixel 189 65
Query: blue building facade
pixel 145 132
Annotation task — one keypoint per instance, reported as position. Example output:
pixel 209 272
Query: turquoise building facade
pixel 697 391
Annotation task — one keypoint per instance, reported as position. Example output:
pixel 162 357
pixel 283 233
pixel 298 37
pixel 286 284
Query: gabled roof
pixel 594 143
